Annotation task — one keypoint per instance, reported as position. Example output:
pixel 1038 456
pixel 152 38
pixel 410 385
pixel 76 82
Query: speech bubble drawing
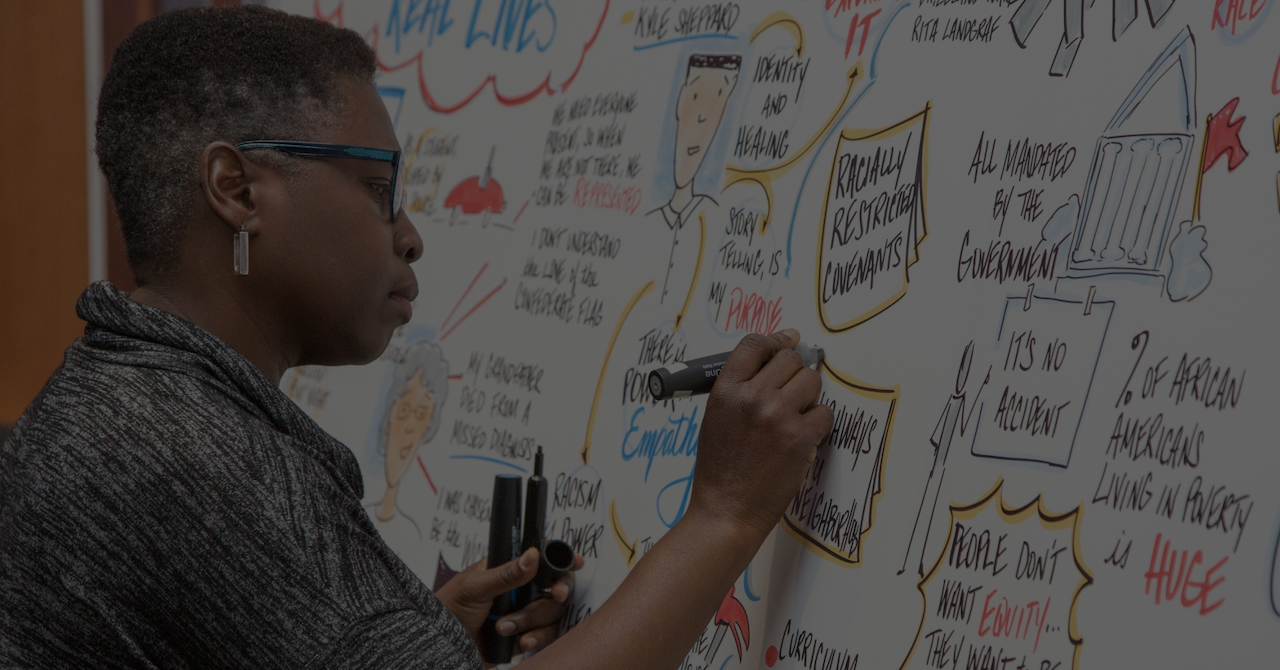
pixel 835 507
pixel 873 221
pixel 1003 592
pixel 530 47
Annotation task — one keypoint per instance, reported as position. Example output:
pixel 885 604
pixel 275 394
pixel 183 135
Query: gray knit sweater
pixel 163 505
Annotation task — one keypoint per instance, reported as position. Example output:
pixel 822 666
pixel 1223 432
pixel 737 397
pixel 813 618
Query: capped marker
pixel 504 537
pixel 697 376
pixel 535 521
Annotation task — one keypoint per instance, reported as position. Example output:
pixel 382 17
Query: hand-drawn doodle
pixel 448 329
pixel 873 221
pixel 628 547
pixel 1047 351
pixel 819 141
pixel 419 386
pixel 604 368
pixel 1275 578
pixel 1135 180
pixel 730 616
pixel 835 507
pixel 785 21
pixel 512 40
pixel 697 269
pixel 953 417
pixel 1124 12
pixel 708 83
pixel 1007 581
pixel 1221 137
pixel 765 177
pixel 1189 272
pixel 480 194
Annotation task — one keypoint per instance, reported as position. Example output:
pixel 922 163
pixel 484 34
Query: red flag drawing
pixel 1222 136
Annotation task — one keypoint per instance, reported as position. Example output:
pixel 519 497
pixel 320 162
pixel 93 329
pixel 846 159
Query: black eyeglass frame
pixel 326 150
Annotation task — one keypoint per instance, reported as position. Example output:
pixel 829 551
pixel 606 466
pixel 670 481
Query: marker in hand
pixel 699 375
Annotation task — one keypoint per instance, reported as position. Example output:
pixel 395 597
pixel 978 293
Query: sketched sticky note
pixel 1046 354
pixel 873 221
pixel 836 505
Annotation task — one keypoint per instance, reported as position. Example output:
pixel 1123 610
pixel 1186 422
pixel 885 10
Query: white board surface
pixel 1033 237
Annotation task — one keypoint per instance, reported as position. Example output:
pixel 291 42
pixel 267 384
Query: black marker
pixel 504 537
pixel 535 517
pixel 700 374
pixel 557 559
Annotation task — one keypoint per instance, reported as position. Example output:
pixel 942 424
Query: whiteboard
pixel 1031 236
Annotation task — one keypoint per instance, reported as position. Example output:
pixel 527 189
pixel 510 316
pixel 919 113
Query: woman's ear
pixel 231 185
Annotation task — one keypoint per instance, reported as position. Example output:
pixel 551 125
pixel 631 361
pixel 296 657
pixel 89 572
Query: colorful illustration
pixel 1137 175
pixel 1031 237
pixel 708 82
pixel 476 195
pixel 419 388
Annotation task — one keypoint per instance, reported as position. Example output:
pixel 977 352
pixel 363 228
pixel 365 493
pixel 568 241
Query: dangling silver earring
pixel 240 252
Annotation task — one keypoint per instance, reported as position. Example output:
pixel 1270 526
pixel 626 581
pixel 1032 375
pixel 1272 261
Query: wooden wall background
pixel 44 220
pixel 44 240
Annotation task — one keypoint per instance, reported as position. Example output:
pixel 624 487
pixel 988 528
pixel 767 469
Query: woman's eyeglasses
pixel 393 198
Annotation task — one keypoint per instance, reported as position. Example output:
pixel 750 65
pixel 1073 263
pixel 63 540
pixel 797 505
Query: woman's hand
pixel 470 594
pixel 761 432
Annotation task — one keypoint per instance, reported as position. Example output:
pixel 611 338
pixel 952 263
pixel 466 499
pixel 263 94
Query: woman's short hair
pixel 426 359
pixel 188 78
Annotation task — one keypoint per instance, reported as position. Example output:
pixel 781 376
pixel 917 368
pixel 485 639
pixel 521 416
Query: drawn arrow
pixel 764 176
pixel 628 548
pixel 604 367
pixel 702 240
pixel 786 22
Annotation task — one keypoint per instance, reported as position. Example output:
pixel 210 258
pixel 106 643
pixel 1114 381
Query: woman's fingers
pixel 540 613
pixel 537 640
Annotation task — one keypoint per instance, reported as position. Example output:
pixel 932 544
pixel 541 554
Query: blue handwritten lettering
pixel 512 23
pixel 434 12
pixel 687 483
pixel 678 438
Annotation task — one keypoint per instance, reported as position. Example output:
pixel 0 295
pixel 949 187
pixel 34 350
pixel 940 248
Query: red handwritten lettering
pixel 1237 11
pixel 603 195
pixel 1013 620
pixel 753 313
pixel 857 21
pixel 1173 578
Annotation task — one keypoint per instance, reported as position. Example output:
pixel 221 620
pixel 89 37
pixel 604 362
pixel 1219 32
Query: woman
pixel 164 505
